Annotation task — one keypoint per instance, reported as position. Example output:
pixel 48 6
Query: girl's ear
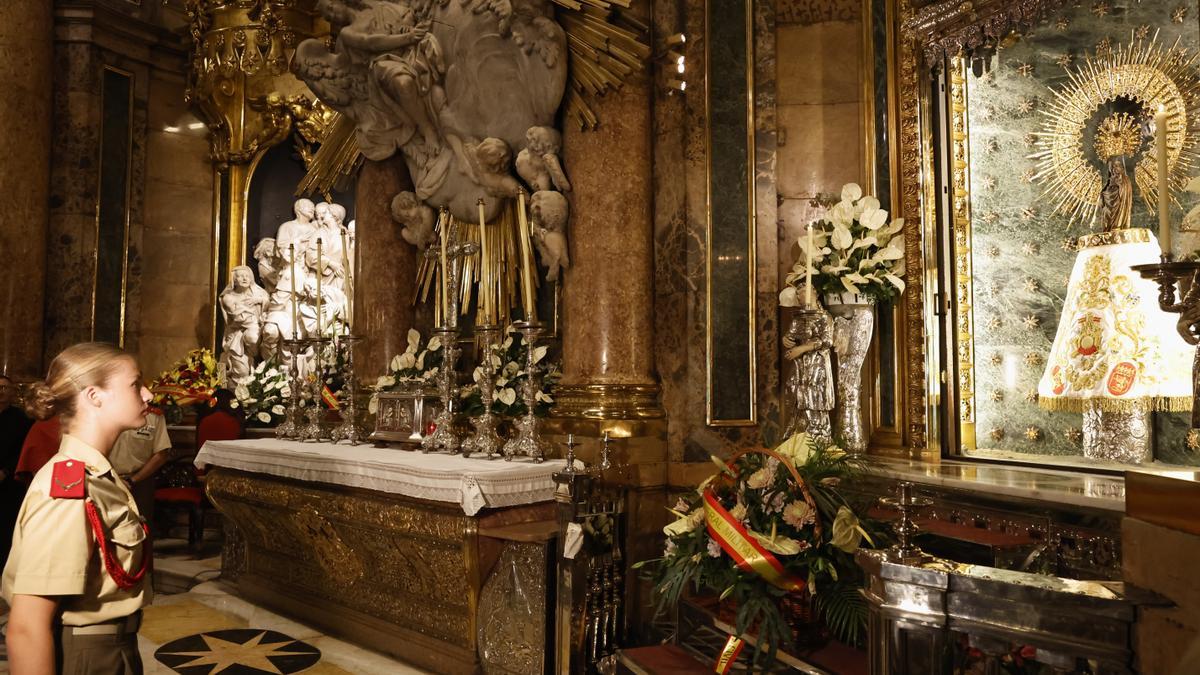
pixel 93 396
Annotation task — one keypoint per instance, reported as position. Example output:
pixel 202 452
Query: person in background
pixel 138 455
pixel 40 445
pixel 14 426
pixel 79 573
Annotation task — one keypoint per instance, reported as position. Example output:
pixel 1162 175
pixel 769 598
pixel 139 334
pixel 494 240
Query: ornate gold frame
pixel 932 35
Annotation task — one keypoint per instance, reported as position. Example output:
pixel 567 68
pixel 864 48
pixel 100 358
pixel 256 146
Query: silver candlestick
pixel 290 427
pixel 485 440
pixel 443 438
pixel 529 441
pixel 571 445
pixel 314 430
pixel 349 429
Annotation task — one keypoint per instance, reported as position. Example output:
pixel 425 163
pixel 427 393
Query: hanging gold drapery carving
pixel 240 85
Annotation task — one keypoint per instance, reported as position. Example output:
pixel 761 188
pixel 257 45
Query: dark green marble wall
pixel 1022 252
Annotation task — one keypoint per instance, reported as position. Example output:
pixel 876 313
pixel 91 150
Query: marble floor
pixel 206 629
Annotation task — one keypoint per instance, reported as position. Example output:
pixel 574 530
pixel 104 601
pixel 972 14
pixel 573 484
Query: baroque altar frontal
pixel 442 560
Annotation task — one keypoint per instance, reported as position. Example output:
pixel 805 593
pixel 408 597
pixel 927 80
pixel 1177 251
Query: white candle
pixel 295 308
pixel 808 270
pixel 443 277
pixel 485 277
pixel 320 271
pixel 527 266
pixel 1164 190
pixel 349 285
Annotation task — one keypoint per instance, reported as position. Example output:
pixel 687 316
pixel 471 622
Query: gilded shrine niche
pixel 1056 193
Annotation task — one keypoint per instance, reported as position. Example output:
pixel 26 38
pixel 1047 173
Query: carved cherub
pixel 490 159
pixel 416 217
pixel 538 163
pixel 548 211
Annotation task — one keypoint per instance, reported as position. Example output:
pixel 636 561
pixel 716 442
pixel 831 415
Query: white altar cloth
pixel 474 483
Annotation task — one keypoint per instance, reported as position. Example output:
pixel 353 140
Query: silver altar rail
pixel 918 609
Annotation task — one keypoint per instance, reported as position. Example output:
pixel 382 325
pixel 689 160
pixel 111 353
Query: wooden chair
pixel 183 483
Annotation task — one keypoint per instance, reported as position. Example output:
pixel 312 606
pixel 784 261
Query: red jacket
pixel 40 445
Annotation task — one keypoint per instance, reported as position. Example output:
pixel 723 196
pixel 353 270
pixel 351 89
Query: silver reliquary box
pixel 403 416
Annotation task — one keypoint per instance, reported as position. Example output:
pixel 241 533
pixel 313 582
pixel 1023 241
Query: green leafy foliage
pixel 813 545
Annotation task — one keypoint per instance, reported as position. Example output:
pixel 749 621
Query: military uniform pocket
pixel 129 534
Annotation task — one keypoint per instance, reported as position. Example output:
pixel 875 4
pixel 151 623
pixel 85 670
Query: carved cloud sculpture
pixel 453 85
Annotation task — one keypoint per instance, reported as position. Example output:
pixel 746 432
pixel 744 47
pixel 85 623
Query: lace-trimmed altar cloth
pixel 473 483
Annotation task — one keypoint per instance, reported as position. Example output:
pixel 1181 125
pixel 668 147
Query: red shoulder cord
pixel 123 579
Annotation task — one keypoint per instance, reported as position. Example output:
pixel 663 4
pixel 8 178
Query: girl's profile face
pixel 126 399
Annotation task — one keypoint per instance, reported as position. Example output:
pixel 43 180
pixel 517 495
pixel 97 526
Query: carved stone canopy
pixel 945 28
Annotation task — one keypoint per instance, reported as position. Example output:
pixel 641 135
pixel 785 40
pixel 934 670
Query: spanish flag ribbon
pixel 743 548
pixel 729 654
pixel 182 396
pixel 329 397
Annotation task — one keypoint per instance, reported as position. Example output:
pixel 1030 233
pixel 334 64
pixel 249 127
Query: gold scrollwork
pixel 964 315
pixel 322 542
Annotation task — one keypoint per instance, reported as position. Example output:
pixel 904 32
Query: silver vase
pixel 853 327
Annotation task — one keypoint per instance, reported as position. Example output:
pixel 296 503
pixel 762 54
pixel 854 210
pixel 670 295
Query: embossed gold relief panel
pixel 1007 253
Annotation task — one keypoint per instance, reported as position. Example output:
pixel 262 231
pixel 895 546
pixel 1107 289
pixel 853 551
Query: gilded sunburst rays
pixel 1141 71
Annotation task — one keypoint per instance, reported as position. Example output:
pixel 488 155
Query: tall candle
pixel 485 275
pixel 1164 191
pixel 444 275
pixel 528 297
pixel 320 273
pixel 808 270
pixel 295 308
pixel 349 285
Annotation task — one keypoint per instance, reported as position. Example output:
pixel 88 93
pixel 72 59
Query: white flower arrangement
pixel 853 250
pixel 416 367
pixel 262 394
pixel 508 379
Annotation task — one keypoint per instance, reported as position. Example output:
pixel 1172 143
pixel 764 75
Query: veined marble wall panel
pixel 1023 251
pixel 74 183
pixel 89 37
pixel 680 241
pixel 177 237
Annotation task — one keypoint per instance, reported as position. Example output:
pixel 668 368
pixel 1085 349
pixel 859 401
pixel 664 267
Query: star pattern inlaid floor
pixel 240 651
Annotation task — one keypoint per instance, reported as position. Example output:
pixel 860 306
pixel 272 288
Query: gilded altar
pixel 417 578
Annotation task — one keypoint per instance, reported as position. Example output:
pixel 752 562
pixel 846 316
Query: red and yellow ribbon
pixel 329 397
pixel 743 548
pixel 729 654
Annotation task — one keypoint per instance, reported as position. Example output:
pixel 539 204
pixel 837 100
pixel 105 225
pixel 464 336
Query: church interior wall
pixel 177 240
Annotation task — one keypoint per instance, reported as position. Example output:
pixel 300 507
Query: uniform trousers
pixel 110 653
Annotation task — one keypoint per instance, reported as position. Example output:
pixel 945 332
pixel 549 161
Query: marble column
pixel 608 293
pixel 386 275
pixel 27 42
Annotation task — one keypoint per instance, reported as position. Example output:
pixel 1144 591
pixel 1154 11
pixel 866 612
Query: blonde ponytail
pixel 88 364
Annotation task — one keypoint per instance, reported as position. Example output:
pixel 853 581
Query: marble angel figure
pixel 548 212
pixel 401 92
pixel 538 164
pixel 243 303
pixel 416 217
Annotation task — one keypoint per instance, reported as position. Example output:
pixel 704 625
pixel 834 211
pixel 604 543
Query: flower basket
pixel 773 538
pixel 799 610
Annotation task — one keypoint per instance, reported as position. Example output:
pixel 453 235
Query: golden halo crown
pixel 1118 135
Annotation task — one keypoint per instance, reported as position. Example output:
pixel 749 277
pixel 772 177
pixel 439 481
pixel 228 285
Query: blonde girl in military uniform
pixel 78 574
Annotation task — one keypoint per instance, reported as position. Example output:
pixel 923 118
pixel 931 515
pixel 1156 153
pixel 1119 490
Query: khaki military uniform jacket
pixel 54 552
